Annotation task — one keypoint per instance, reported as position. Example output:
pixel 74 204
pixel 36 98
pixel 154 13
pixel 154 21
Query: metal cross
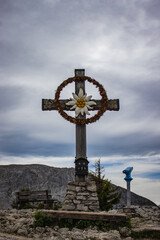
pixel 48 105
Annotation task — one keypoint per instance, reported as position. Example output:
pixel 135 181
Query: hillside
pixel 35 177
pixel 42 177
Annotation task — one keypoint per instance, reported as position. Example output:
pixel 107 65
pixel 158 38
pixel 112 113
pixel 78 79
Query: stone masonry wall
pixel 81 196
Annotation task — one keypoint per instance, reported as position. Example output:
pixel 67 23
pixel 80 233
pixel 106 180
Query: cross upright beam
pixel 80 129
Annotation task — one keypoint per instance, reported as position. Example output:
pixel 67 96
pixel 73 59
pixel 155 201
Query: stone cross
pixel 48 105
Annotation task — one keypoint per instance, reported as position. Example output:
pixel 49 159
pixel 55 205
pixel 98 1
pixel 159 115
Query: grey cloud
pixel 149 98
pixel 146 98
pixel 126 145
pixel 11 98
pixel 151 8
pixel 21 144
pixel 55 37
pixel 152 175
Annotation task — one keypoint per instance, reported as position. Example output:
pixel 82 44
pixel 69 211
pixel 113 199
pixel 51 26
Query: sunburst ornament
pixel 81 103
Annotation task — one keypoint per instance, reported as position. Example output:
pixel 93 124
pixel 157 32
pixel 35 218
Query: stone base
pixel 81 196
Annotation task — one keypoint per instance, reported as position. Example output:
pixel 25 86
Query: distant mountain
pixel 35 177
pixel 13 178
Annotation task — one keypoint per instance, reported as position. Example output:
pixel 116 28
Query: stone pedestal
pixel 81 196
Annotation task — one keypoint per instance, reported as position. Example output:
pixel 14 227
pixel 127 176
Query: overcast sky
pixel 117 43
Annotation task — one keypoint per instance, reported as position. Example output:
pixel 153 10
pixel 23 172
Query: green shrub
pixel 14 204
pixel 42 220
pixel 107 196
pixel 40 206
pixel 82 224
pixel 57 205
pixel 105 190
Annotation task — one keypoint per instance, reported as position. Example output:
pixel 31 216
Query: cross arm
pixel 48 105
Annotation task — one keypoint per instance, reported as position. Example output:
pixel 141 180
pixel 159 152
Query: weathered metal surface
pixel 85 215
pixel 128 195
pixel 81 166
pixel 48 105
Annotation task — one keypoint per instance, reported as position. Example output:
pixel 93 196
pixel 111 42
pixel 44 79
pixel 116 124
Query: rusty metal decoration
pixel 81 121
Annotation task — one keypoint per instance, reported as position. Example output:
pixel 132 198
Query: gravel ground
pixel 146 219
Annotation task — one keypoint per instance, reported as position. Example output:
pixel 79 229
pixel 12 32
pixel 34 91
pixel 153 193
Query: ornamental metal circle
pixel 81 121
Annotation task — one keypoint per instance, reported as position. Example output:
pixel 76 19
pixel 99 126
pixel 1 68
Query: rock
pixel 114 235
pixel 81 207
pixel 77 235
pixel 125 232
pixel 63 231
pixel 22 231
pixel 36 237
pixel 68 207
pixel 78 189
pixel 92 187
pixel 56 228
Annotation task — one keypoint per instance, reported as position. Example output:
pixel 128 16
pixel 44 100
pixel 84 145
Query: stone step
pixel 146 233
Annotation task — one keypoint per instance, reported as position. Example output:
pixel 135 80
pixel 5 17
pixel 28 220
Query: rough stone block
pixel 68 202
pixel 78 189
pixel 72 183
pixel 81 207
pixel 76 201
pixel 93 208
pixel 83 194
pixel 90 203
pixel 81 198
pixel 71 188
pixel 68 207
pixel 93 198
pixel 83 184
pixel 94 194
pixel 71 192
pixel 92 188
pixel 69 196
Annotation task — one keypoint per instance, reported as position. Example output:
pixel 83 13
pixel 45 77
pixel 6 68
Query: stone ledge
pixel 149 232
